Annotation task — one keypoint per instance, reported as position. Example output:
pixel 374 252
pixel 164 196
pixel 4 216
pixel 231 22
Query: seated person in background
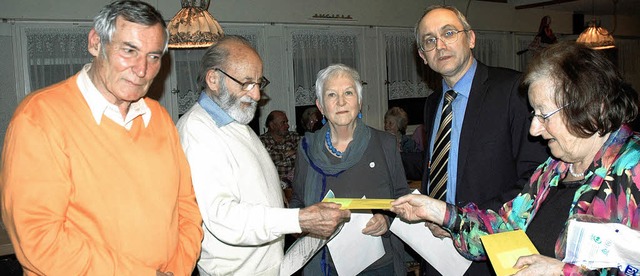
pixel 311 120
pixel 281 144
pixel 419 136
pixel 236 183
pixel 581 106
pixel 395 122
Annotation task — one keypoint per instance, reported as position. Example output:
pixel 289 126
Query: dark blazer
pixel 496 155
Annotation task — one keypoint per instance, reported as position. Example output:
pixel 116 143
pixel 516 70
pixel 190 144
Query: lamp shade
pixel 193 26
pixel 596 37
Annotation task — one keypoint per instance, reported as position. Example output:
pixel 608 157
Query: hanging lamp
pixel 193 26
pixel 597 37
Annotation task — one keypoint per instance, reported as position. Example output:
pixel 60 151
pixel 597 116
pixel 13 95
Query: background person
pixel 395 122
pixel 581 107
pixel 353 160
pixel 281 144
pixel 236 183
pixel 311 120
pixel 93 178
pixel 491 155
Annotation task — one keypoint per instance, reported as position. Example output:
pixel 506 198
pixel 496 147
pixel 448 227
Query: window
pixel 53 53
pixel 406 76
pixel 312 51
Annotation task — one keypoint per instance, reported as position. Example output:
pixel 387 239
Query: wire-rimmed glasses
pixel 542 118
pixel 247 86
pixel 448 36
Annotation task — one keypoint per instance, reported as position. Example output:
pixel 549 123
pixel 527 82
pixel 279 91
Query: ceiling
pixel 586 7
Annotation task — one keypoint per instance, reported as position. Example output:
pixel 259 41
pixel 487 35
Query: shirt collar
pixel 215 111
pixel 463 86
pixel 100 106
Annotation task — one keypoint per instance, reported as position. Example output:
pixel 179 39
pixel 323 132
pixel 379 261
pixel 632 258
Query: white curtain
pixel 403 78
pixel 54 54
pixel 314 50
pixel 187 67
pixel 522 44
pixel 489 48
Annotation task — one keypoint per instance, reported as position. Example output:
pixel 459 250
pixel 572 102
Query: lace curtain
pixel 54 54
pixel 314 50
pixel 187 67
pixel 403 78
pixel 489 48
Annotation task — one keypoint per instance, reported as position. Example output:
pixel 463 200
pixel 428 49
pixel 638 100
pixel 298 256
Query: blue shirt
pixel 213 109
pixel 459 105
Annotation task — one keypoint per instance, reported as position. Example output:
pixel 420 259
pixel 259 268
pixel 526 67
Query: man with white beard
pixel 236 183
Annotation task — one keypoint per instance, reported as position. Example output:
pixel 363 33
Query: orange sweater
pixel 80 198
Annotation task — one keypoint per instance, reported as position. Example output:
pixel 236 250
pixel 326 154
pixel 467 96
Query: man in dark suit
pixel 491 155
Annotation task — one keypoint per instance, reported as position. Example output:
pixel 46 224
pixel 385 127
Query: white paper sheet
pixel 440 253
pixel 300 253
pixel 353 251
pixel 600 245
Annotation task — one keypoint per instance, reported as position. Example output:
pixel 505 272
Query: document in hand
pixel 505 248
pixel 361 203
pixel 353 251
pixel 301 251
pixel 440 253
pixel 600 245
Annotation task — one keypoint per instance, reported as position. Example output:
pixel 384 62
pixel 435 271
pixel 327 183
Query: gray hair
pixel 138 12
pixel 461 17
pixel 217 56
pixel 335 70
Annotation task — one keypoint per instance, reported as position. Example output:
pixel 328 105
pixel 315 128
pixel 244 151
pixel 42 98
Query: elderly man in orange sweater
pixel 94 180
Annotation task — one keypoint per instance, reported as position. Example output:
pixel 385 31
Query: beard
pixel 236 107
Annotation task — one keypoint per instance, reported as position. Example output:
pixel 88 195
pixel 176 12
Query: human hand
pixel 538 265
pixel 322 219
pixel 419 207
pixel 160 273
pixel 376 226
pixel 437 230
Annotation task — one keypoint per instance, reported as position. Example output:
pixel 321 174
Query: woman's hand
pixel 538 265
pixel 437 230
pixel 377 225
pixel 419 207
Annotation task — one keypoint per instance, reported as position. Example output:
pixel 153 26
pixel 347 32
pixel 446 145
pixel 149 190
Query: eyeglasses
pixel 448 37
pixel 542 118
pixel 247 86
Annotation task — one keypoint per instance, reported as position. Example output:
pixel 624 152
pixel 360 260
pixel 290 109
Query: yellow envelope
pixel 505 248
pixel 361 204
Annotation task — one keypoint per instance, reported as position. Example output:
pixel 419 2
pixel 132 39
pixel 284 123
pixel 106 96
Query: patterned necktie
pixel 440 156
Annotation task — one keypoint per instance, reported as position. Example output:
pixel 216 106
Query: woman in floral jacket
pixel 581 107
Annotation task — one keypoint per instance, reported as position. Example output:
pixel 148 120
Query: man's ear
pixel 472 38
pixel 213 81
pixel 421 54
pixel 94 43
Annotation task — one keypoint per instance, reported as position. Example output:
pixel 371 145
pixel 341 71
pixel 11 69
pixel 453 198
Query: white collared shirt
pixel 100 106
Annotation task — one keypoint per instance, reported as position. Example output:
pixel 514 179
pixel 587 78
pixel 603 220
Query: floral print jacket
pixel 610 193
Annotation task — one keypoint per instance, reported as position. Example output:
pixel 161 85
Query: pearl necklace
pixel 573 173
pixel 327 138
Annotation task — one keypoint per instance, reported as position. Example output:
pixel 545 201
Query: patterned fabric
pixel 279 154
pixel 609 193
pixel 440 155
